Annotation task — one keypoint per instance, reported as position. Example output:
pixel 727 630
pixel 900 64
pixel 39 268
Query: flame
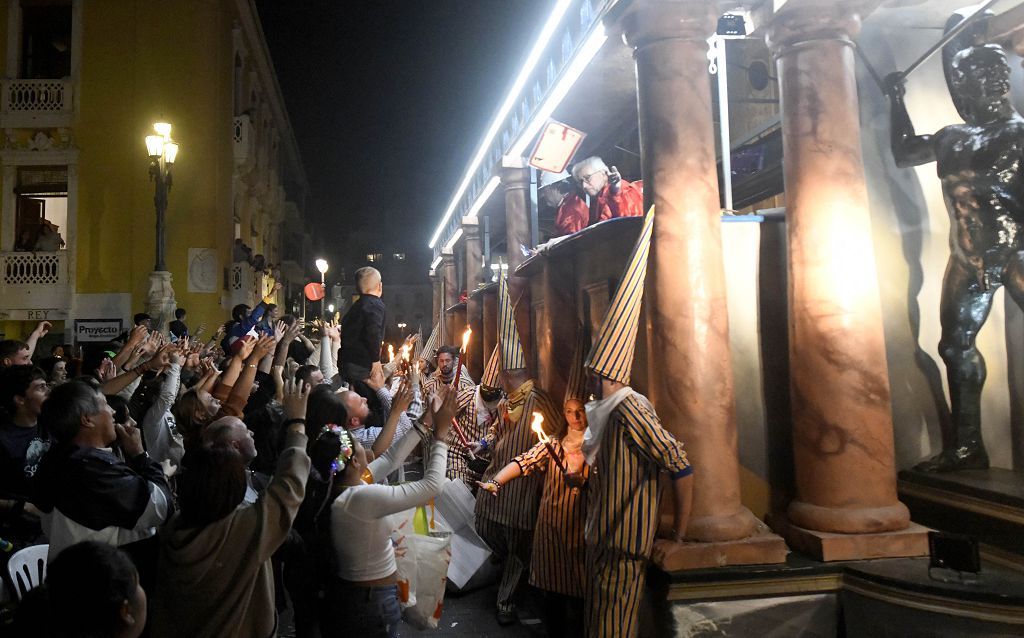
pixel 538 419
pixel 405 353
pixel 391 353
pixel 465 338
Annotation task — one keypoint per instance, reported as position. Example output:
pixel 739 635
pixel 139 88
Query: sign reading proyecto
pixel 94 330
pixel 557 144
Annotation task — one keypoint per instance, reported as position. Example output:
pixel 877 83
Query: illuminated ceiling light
pixel 580 62
pixel 434 264
pixel 163 129
pixel 546 33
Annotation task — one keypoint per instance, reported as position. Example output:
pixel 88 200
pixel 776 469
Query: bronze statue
pixel 979 163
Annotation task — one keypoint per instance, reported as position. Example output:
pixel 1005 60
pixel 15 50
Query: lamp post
pixel 162 151
pixel 321 265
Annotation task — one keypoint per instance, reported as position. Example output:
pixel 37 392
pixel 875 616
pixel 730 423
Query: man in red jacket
pixel 615 197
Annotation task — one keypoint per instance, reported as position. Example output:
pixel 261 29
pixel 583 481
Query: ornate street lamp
pixel 321 265
pixel 162 153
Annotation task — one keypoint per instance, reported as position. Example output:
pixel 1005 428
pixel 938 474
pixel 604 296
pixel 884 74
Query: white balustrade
pixel 37 102
pixel 34 280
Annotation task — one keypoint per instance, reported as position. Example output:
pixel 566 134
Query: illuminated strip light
pixel 485 194
pixel 447 248
pixel 524 75
pixel 590 47
pixel 434 264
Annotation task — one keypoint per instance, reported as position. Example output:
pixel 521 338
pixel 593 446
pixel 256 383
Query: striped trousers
pixel 615 586
pixel 512 546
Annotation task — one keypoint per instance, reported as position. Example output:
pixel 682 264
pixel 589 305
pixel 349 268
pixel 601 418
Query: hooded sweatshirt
pixel 217 580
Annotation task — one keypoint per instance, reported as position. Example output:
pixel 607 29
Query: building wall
pixel 142 62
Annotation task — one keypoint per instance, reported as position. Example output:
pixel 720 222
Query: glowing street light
pixel 321 265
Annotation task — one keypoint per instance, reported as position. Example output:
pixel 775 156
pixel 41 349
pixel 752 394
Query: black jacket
pixel 362 331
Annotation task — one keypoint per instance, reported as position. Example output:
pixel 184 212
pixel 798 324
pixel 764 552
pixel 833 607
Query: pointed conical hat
pixel 512 357
pixel 612 354
pixel 490 375
pixel 431 345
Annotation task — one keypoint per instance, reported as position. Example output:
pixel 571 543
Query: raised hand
pixel 248 344
pixel 42 328
pixel 279 329
pixel 404 397
pixel 296 394
pixel 264 346
pixel 443 413
pixel 137 335
pixel 376 380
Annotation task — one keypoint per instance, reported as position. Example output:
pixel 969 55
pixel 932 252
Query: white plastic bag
pixel 433 553
pixel 405 556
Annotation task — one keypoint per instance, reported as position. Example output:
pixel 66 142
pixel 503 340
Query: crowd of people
pixel 191 486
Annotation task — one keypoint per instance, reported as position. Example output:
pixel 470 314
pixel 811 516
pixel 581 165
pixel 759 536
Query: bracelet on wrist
pixel 497 485
pixel 290 422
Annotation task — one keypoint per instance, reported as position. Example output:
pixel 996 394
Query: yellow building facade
pixel 83 83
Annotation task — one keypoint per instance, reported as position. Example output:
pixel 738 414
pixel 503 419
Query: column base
pixel 763 548
pixel 160 302
pixel 832 546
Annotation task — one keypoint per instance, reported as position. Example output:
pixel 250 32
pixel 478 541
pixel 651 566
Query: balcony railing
pixel 242 136
pixel 34 280
pixel 37 102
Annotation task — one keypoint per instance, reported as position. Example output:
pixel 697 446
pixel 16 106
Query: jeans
pixel 370 612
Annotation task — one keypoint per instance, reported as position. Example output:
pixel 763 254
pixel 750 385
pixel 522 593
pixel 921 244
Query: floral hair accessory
pixel 347 449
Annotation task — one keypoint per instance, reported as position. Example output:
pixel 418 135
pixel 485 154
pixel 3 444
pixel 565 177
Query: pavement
pixel 472 614
pixel 466 614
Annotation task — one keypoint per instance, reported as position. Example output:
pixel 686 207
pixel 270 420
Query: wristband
pixel 497 485
pixel 293 422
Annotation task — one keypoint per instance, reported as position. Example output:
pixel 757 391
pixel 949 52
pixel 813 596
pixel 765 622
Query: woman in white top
pixel 363 595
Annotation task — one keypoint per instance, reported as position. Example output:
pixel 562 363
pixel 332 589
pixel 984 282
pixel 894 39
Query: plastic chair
pixel 27 568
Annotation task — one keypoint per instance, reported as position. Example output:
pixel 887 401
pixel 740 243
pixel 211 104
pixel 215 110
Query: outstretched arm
pixel 908 148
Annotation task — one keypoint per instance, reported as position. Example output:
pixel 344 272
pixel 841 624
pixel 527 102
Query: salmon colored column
pixel 842 420
pixel 691 379
pixel 515 179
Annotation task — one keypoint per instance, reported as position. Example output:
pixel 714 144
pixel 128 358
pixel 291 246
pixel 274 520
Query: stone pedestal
pixel 762 547
pixel 830 546
pixel 690 368
pixel 160 302
pixel 842 421
pixel 515 179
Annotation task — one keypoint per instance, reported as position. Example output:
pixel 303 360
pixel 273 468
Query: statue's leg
pixel 1013 278
pixel 963 310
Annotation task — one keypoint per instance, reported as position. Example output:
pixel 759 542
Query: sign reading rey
pixel 97 330
pixel 979 163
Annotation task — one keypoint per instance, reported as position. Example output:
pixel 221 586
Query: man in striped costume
pixel 506 522
pixel 477 411
pixel 628 449
pixel 447 359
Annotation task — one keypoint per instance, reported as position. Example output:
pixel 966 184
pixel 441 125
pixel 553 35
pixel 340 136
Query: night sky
pixel 389 99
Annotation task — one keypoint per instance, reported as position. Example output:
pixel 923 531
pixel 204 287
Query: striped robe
pixel 557 563
pixel 516 504
pixel 431 383
pixel 622 513
pixel 469 421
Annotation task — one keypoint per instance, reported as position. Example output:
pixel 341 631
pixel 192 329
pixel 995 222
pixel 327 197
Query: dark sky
pixel 390 98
